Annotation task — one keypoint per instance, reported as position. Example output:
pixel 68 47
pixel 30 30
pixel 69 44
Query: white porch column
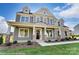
pixel 45 34
pixel 53 33
pixel 9 29
pixel 28 32
pixel 34 34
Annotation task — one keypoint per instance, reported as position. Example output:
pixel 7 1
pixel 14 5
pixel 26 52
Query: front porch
pixel 31 31
pixel 43 34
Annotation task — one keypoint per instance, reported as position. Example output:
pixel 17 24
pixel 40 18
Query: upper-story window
pixel 41 19
pixel 58 23
pixel 31 19
pixel 50 21
pixel 38 19
pixel 24 19
pixel 44 20
pixel 45 13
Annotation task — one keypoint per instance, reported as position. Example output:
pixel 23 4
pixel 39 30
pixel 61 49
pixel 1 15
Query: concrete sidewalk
pixel 42 43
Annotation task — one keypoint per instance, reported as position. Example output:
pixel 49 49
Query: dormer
pixel 26 9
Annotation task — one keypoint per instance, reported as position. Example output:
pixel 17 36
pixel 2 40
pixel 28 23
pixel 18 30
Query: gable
pixel 44 11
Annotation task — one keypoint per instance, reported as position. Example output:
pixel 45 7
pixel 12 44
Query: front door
pixel 38 34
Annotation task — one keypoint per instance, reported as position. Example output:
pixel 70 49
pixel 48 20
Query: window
pixel 26 10
pixel 65 33
pixel 38 19
pixel 44 20
pixel 31 19
pixel 41 19
pixel 58 23
pixel 24 19
pixel 23 32
pixel 50 21
pixel 49 33
pixel 45 13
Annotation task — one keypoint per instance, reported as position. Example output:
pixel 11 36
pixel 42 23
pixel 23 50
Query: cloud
pixel 72 12
pixel 3 25
pixel 66 5
pixel 56 9
pixel 70 25
pixel 13 20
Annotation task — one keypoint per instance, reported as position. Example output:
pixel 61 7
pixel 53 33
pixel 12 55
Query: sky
pixel 69 12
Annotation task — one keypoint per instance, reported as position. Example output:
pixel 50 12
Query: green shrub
pixel 1 40
pixel 29 43
pixel 14 42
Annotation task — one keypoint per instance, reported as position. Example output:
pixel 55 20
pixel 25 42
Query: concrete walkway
pixel 42 43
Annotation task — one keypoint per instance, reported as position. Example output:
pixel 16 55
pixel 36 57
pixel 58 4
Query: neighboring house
pixel 41 25
pixel 76 29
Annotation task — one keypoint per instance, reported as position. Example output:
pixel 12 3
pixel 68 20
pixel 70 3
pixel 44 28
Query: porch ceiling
pixel 20 24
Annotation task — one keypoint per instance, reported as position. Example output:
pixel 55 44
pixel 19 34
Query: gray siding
pixel 17 18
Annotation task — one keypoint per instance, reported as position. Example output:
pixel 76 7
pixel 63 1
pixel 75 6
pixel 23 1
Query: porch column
pixel 45 34
pixel 53 33
pixel 9 29
pixel 28 32
pixel 34 33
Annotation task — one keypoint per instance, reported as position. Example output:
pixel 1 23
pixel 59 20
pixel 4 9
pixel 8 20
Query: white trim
pixel 28 32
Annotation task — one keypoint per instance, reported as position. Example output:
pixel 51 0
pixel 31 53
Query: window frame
pixel 25 19
pixel 49 32
pixel 24 35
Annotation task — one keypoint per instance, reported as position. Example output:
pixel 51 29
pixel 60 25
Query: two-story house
pixel 40 25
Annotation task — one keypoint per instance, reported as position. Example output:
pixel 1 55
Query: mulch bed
pixel 20 45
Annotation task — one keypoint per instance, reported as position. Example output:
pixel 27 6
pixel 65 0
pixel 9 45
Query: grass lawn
pixel 68 49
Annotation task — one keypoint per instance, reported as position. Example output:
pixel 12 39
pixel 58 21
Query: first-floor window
pixel 23 32
pixel 49 33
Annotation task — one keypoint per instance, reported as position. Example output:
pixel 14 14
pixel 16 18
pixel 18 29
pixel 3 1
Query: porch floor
pixel 42 43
